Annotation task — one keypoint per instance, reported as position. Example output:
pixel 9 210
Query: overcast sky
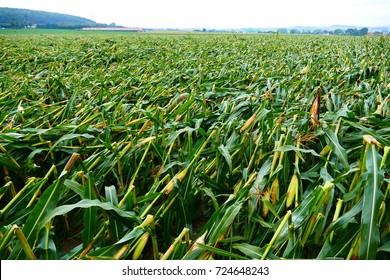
pixel 219 13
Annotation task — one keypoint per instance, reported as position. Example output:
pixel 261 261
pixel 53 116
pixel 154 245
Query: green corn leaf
pixel 226 219
pixel 253 252
pixel 86 203
pixel 385 247
pixel 134 233
pixel 340 246
pixel 90 213
pixel 346 217
pixel 193 255
pixel 172 137
pixel 225 153
pixel 374 133
pixel 75 186
pixel 372 199
pixel 183 107
pixel 8 161
pixel 265 169
pixel 19 201
pixel 221 252
pixel 302 213
pixel 114 226
pixel 338 150
pixel 287 148
pixel 104 253
pixel 46 203
pixel 46 244
pixel 68 137
pixel 111 195
pixel 210 194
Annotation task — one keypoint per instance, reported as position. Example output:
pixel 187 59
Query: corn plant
pixel 153 146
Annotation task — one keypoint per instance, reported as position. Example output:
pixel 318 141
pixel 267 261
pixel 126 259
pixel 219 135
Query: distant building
pixel 126 29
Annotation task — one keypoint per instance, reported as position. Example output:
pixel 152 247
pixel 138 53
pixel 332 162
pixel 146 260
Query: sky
pixel 211 14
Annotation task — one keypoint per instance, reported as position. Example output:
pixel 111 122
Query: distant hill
pixel 19 18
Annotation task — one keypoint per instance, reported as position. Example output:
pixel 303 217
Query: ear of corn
pixel 140 245
pixel 315 109
pixel 115 147
pixel 292 191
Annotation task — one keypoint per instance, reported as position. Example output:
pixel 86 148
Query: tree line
pixel 349 31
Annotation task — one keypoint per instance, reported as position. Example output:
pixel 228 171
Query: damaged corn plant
pixel 194 146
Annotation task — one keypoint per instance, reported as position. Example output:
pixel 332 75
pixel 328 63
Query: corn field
pixel 180 146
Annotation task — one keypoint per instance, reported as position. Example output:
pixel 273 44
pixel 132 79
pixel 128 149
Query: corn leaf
pixel 46 203
pixel 220 252
pixel 253 252
pixel 371 202
pixel 90 213
pixel 385 247
pixel 225 153
pixel 226 218
pixel 338 150
pixel 86 203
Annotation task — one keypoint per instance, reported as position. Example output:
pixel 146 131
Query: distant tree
pixel 204 30
pixel 350 32
pixel 112 24
pixel 363 31
pixel 27 23
pixel 317 31
pixel 13 23
pixel 356 32
pixel 295 31
pixel 338 31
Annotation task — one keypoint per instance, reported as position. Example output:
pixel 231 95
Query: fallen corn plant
pixel 149 146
